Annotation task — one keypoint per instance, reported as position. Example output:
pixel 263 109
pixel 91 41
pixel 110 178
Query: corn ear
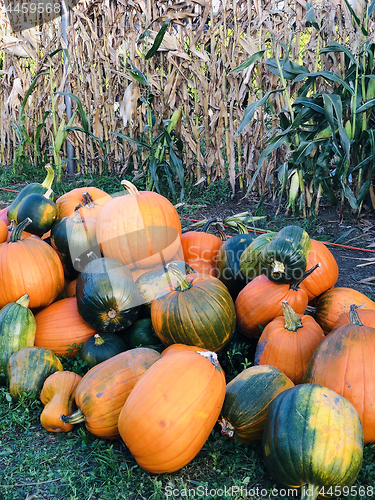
pixel 294 188
pixel 174 120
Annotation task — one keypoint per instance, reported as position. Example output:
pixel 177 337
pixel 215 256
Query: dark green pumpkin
pixel 41 210
pixel 228 263
pixel 312 438
pixel 149 284
pixel 247 398
pixel 199 311
pixel 17 330
pixel 141 334
pixel 107 297
pixel 28 368
pixel 99 348
pixel 35 187
pixel 284 259
pixel 250 265
pixel 73 239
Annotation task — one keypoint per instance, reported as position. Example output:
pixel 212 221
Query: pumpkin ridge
pixel 290 437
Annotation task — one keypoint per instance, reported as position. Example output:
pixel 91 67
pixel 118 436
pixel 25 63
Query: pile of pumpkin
pixel 148 308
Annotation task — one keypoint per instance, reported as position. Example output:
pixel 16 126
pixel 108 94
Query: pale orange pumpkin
pixel 59 327
pixel 91 200
pixel 141 229
pixel 172 410
pixel 3 231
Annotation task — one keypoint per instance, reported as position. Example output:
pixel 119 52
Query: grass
pixel 78 466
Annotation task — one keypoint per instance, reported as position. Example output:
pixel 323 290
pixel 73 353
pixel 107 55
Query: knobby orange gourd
pixel 172 410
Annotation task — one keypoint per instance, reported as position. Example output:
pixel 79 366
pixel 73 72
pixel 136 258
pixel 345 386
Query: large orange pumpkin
pixel 288 342
pixel 91 201
pixel 29 266
pixel 104 389
pixel 344 362
pixel 337 301
pixel 325 276
pixel 141 229
pixel 172 410
pixel 261 301
pixel 60 327
pixel 3 231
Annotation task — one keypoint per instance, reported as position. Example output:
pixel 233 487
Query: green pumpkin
pixel 41 210
pixel 73 239
pixel 312 439
pixel 35 187
pixel 228 263
pixel 107 298
pixel 17 330
pixel 141 334
pixel 28 368
pixel 247 399
pixel 99 348
pixel 250 265
pixel 284 259
pixel 150 283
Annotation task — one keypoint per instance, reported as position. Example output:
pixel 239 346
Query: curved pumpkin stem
pixel 294 286
pixel 207 225
pixel 98 339
pixel 47 183
pixel 74 418
pixel 353 315
pixel 131 189
pixel 24 301
pixel 19 229
pixel 87 200
pixel 227 428
pixel 292 321
pixel 212 358
pixel 221 230
pixel 182 283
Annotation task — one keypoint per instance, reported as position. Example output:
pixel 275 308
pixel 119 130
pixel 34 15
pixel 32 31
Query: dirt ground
pixel 355 265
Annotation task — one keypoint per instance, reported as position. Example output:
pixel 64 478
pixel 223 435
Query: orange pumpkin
pixel 181 347
pixel 104 389
pixel 201 249
pixel 337 301
pixel 57 396
pixel 172 410
pixel 3 231
pixel 261 301
pixel 60 327
pixel 326 275
pixel 91 201
pixel 344 362
pixel 141 229
pixel 288 342
pixel 70 289
pixel 366 316
pixel 29 266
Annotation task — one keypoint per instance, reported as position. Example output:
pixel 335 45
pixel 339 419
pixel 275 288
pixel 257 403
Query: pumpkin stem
pixel 309 492
pixel 353 315
pixel 19 229
pixel 74 418
pixel 131 189
pixel 98 339
pixel 77 217
pixel 182 283
pixel 227 428
pixel 87 200
pixel 207 225
pixel 294 286
pixel 47 183
pixel 277 269
pixel 212 358
pixel 24 301
pixel 47 194
pixel 292 321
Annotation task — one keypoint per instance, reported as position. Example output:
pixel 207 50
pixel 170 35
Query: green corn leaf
pixel 250 110
pixel 328 75
pixel 290 69
pixel 309 103
pixel 310 16
pixel 253 59
pixel 153 166
pixel 130 139
pixel 363 191
pixel 28 93
pixel 369 104
pixel 359 24
pixel 337 47
pixel 82 114
pixel 350 196
pixel 138 75
pixel 304 149
pixel 158 40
